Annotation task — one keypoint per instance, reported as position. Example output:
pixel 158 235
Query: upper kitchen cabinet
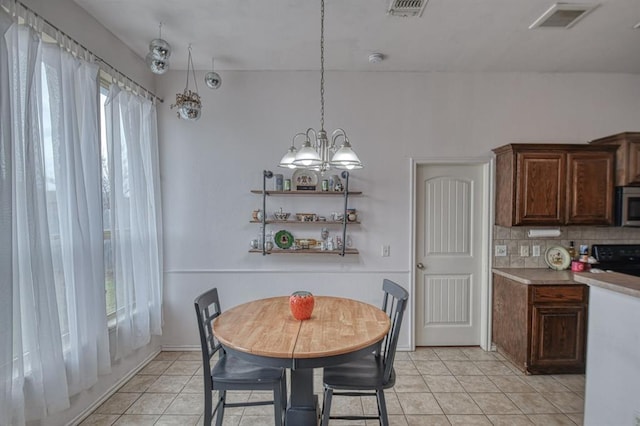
pixel 627 156
pixel 554 184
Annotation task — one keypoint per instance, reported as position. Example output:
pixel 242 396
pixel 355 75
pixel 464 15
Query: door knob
pixel 420 266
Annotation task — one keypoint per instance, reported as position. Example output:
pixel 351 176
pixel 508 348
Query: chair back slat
pixel 207 307
pixel 394 304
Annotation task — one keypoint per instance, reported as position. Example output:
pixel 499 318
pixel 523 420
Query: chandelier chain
pixel 322 65
pixel 319 152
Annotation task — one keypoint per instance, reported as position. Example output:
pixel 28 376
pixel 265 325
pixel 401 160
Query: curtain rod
pixel 111 69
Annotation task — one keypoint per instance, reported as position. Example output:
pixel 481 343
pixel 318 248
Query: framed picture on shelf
pixel 305 180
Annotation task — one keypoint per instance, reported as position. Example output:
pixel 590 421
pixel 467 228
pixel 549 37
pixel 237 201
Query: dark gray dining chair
pixel 229 373
pixel 374 373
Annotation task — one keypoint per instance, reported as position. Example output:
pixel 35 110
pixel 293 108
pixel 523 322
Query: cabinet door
pixel 557 339
pixel 633 163
pixel 540 188
pixel 590 192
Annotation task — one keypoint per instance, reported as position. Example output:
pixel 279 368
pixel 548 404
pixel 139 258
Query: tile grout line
pixel 563 410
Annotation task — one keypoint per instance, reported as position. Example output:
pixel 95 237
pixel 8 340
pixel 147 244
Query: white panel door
pixel 450 212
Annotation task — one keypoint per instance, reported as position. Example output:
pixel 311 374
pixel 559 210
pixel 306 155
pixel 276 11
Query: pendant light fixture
pixel 212 78
pixel 188 103
pixel 316 152
pixel 158 57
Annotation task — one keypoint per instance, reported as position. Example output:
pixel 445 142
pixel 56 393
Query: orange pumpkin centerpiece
pixel 301 304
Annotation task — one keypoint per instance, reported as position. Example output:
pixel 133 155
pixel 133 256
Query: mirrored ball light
pixel 157 66
pixel 160 49
pixel 213 80
pixel 190 110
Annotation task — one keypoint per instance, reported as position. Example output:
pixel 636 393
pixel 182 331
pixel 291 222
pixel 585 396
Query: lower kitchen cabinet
pixel 541 327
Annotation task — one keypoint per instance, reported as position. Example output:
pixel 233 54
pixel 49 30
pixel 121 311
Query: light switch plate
pixel 501 250
pixel 536 251
pixel 524 251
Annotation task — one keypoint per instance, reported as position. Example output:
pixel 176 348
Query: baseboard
pixel 90 409
pixel 185 348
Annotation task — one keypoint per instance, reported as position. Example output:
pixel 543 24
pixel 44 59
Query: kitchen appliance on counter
pixel 627 206
pixel 623 258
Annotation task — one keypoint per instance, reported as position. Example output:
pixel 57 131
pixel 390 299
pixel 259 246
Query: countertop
pixel 621 283
pixel 536 275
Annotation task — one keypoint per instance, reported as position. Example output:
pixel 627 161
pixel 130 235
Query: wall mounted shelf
pixel 307 193
pixel 343 223
pixel 307 251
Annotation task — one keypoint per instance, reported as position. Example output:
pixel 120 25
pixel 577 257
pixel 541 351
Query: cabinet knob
pixel 420 266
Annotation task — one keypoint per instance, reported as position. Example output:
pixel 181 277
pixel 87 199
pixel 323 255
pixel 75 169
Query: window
pixel 106 209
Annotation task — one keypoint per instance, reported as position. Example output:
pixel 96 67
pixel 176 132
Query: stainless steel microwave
pixel 627 207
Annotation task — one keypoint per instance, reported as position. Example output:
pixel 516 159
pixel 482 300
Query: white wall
pixel 209 167
pixel 613 350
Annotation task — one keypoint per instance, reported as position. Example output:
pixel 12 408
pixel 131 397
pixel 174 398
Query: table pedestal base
pixel 303 405
pixel 303 415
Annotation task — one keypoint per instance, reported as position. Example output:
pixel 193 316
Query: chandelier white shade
pixel 317 152
pixel 345 157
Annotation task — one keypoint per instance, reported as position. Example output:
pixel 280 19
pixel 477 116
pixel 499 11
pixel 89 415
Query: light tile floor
pixel 434 386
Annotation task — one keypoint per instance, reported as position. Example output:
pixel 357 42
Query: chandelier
pixel 317 152
pixel 188 102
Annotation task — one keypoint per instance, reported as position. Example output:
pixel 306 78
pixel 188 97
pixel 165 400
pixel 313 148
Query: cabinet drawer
pixel 559 293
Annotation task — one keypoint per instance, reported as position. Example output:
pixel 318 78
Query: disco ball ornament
pixel 160 49
pixel 157 66
pixel 190 111
pixel 213 80
pixel 189 105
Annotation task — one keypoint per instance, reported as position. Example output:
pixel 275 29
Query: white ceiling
pixel 451 35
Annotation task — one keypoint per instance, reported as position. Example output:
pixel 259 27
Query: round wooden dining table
pixel 264 332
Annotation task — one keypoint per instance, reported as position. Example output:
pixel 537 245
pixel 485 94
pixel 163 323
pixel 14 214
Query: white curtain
pixel 50 227
pixel 78 258
pixel 6 270
pixel 135 216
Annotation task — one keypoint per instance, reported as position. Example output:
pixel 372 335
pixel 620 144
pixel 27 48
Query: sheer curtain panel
pixel 71 99
pixel 50 227
pixel 135 216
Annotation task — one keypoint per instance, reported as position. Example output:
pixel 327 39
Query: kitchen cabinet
pixel 627 156
pixel 341 224
pixel 554 184
pixel 541 328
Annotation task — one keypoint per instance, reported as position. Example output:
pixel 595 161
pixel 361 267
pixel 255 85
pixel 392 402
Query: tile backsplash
pixel 516 237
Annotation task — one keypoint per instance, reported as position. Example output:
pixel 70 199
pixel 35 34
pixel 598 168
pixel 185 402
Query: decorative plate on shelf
pixel 557 258
pixel 304 180
pixel 283 239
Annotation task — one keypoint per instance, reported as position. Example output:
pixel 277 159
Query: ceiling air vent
pixel 407 7
pixel 563 15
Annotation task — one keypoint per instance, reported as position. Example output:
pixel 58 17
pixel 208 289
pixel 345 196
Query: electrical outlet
pixel 386 250
pixel 524 251
pixel 536 251
pixel 501 250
